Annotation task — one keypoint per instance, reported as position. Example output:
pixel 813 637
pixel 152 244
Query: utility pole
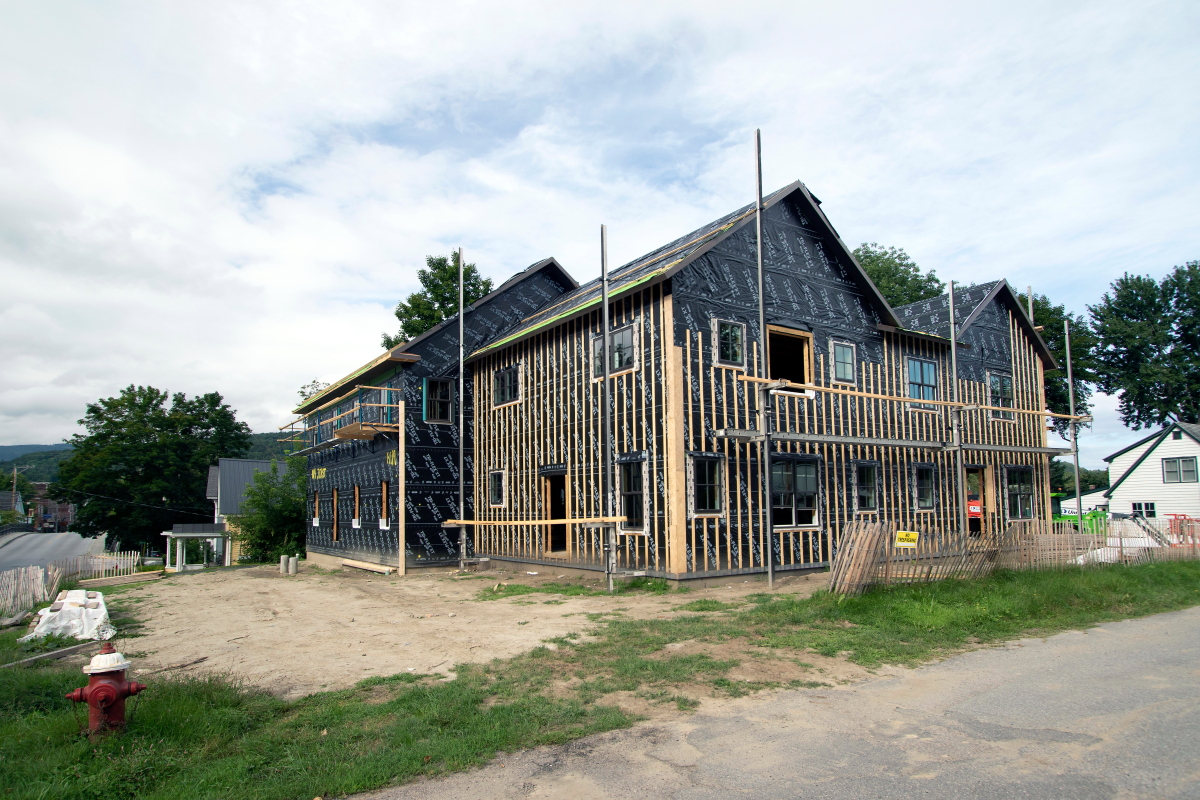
pixel 462 431
pixel 956 421
pixel 609 528
pixel 1074 422
pixel 14 485
pixel 764 392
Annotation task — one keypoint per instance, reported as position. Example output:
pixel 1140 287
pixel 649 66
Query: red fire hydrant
pixel 106 690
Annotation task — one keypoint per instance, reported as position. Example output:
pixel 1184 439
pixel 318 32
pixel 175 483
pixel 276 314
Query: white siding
pixel 1146 484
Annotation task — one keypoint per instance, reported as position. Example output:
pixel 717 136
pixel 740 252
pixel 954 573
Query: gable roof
pixel 665 261
pixel 399 354
pixel 1191 429
pixel 932 315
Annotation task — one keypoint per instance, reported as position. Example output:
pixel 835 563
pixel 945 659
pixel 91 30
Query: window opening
pixel 1144 510
pixel 924 481
pixel 620 351
pixel 1020 493
pixel 438 405
pixel 496 488
pixel 506 386
pixel 787 357
pixel 1179 470
pixel 843 362
pixel 867 481
pixel 922 382
pixel 793 493
pixel 1000 391
pixel 556 486
pixel 706 485
pixel 633 496
pixel 731 343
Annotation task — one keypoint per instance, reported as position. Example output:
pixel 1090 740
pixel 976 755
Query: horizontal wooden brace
pixel 831 439
pixel 458 523
pixel 1003 448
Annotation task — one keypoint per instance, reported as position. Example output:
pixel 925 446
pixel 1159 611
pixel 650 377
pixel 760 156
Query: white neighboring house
pixel 1091 501
pixel 1158 476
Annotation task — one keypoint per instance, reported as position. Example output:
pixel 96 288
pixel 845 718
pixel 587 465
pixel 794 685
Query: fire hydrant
pixel 106 690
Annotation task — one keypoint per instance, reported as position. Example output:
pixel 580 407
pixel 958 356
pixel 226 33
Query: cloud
pixel 234 196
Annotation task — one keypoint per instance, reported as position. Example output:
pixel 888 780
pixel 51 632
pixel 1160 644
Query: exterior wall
pixel 1124 462
pixel 1145 484
pixel 556 426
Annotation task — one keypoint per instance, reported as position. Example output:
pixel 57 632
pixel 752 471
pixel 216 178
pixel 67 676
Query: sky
pixel 234 196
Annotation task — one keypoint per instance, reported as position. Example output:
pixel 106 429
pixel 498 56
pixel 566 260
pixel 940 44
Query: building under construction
pixel 852 402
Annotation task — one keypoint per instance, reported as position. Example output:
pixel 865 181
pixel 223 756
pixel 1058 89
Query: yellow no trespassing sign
pixel 906 538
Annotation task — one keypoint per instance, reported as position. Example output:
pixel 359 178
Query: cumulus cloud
pixel 233 196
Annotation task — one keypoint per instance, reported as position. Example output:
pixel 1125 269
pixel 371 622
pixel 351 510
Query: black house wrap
pixel 862 430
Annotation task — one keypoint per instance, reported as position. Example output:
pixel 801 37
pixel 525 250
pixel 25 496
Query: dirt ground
pixel 294 635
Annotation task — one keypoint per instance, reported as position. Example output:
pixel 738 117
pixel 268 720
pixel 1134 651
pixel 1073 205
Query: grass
pixel 210 738
pixel 656 586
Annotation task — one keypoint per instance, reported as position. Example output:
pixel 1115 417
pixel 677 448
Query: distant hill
pixel 266 446
pixel 10 451
pixel 44 462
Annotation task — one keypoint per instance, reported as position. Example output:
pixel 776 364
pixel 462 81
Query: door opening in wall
pixel 556 491
pixel 975 493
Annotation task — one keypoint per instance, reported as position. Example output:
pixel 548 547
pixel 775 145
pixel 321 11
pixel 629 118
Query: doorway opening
pixel 975 500
pixel 556 491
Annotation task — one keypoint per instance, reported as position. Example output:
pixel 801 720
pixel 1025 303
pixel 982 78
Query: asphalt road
pixel 26 549
pixel 1113 712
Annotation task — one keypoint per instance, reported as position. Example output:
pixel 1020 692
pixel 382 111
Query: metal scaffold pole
pixel 1074 422
pixel 610 531
pixel 764 392
pixel 956 421
pixel 462 431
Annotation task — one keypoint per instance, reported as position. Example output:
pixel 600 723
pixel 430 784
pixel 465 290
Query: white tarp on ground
pixel 1117 549
pixel 77 613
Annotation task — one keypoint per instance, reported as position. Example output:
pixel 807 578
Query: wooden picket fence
pixel 868 554
pixel 102 565
pixel 24 587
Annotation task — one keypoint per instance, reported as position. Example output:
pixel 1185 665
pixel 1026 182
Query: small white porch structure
pixel 176 546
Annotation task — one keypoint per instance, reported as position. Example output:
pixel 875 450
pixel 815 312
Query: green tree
pixel 438 299
pixel 1148 346
pixel 272 522
pixel 1050 318
pixel 142 465
pixel 1062 477
pixel 898 278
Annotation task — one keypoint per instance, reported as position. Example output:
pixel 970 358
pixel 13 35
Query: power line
pixel 132 503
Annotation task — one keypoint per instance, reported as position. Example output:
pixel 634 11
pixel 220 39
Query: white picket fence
pixel 24 587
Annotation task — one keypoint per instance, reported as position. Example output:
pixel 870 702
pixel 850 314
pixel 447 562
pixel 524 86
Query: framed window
pixel 383 505
pixel 923 488
pixel 866 483
pixel 622 354
pixel 1179 470
pixel 439 405
pixel 335 515
pixel 1176 435
pixel 922 382
pixel 506 385
pixel 496 488
pixel 633 495
pixel 1020 492
pixel 789 355
pixel 843 362
pixel 706 485
pixel 1000 393
pixel 793 493
pixel 731 343
pixel 1144 510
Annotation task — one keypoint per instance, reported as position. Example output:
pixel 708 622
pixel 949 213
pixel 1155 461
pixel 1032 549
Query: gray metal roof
pixel 235 474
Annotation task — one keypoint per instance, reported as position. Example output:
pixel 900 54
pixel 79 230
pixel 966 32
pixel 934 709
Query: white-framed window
pixel 866 487
pixel 1145 510
pixel 506 385
pixel 439 402
pixel 1179 470
pixel 793 493
pixel 729 340
pixel 707 484
pixel 842 357
pixel 622 352
pixel 1019 481
pixel 922 382
pixel 497 488
pixel 633 494
pixel 1000 393
pixel 924 487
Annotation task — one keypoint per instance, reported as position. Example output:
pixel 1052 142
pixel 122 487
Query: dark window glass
pixel 1177 435
pixel 924 476
pixel 1020 493
pixel 787 357
pixel 632 496
pixel 506 386
pixel 1144 510
pixel 621 343
pixel 793 493
pixel 496 488
pixel 843 363
pixel 866 479
pixel 1000 387
pixel 731 347
pixel 438 407
pixel 922 382
pixel 706 485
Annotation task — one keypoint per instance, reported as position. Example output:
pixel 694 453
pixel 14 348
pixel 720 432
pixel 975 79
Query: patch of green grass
pixel 706 605
pixel 502 590
pixel 210 738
